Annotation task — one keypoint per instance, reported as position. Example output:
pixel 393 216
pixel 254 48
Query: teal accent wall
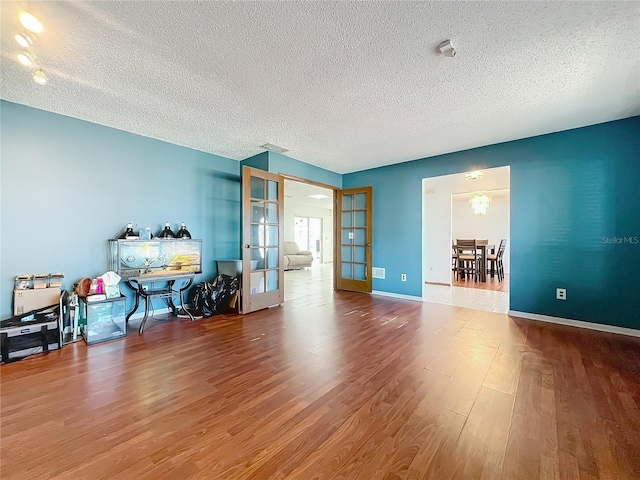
pixel 260 161
pixel 575 220
pixel 68 185
pixel 279 163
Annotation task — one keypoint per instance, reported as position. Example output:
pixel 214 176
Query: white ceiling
pixel 297 193
pixel 345 86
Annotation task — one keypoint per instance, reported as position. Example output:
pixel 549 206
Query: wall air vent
pixel 377 272
pixel 273 148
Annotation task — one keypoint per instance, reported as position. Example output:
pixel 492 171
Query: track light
pixel 30 22
pixel 25 40
pixel 26 58
pixel 39 77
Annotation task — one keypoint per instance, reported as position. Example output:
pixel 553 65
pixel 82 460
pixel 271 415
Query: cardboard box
pixel 27 300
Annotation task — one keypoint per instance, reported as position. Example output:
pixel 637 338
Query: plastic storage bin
pixel 233 268
pixel 102 320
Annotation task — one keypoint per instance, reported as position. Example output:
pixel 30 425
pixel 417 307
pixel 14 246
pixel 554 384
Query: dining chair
pixel 468 259
pixel 496 260
pixel 454 257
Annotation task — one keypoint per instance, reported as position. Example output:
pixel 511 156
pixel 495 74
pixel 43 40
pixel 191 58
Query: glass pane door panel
pixel 273 259
pixel 257 255
pixel 272 190
pixel 272 236
pixel 355 256
pixel 262 231
pixel 347 236
pixel 346 270
pixel 257 235
pixel 272 212
pixel 257 282
pixel 272 280
pixel 257 212
pixel 257 188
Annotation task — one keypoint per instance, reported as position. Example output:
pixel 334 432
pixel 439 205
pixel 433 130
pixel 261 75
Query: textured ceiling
pixel 345 86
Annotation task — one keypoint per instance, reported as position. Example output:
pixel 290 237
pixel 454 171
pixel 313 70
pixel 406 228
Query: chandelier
pixel 479 203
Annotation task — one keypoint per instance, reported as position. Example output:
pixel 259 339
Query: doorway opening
pixel 307 233
pixel 467 206
pixel 308 227
pixel 491 225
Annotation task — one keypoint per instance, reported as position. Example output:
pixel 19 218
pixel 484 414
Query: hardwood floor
pixel 340 385
pixel 490 284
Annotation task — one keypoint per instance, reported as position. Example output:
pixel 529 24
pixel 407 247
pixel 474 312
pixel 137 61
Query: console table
pixel 137 284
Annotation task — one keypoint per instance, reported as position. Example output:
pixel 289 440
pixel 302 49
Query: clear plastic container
pixel 23 282
pixel 41 280
pixel 55 280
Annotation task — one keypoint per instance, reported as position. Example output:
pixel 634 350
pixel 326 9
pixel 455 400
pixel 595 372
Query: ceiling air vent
pixel 273 148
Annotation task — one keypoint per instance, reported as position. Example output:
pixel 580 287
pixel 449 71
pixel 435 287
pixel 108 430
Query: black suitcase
pixel 35 332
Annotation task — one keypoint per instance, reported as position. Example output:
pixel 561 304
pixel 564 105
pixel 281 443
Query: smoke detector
pixel 446 49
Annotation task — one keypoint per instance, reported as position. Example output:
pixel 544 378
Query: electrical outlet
pixel 403 277
pixel 561 293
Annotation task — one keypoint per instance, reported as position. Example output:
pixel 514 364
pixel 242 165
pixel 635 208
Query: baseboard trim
pixel 438 283
pixel 397 295
pixel 576 323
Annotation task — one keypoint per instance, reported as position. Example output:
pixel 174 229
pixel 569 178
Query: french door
pixel 354 234
pixel 262 236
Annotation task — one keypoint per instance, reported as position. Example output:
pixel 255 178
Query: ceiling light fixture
pixel 479 203
pixel 39 77
pixel 25 40
pixel 476 175
pixel 30 22
pixel 318 195
pixel 26 58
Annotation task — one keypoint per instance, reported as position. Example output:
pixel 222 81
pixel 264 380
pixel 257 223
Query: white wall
pixel 291 210
pixel 493 226
pixel 436 217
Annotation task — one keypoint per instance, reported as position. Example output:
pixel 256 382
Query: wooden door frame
pixel 336 243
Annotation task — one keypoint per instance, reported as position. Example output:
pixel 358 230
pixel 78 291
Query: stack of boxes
pixel 34 292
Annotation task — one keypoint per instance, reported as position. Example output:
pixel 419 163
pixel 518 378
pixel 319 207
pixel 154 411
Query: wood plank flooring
pixel 492 283
pixel 333 386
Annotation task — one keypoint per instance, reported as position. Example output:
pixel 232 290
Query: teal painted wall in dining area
pixel 575 218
